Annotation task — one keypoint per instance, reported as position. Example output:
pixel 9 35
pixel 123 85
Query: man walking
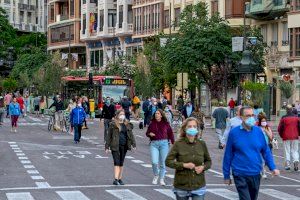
pixel 231 105
pixel 126 104
pixel 7 100
pixel 220 115
pixel 108 112
pixel 145 106
pixel 188 109
pixel 245 148
pixel 59 108
pixel 77 117
pixel 289 132
pixel 2 110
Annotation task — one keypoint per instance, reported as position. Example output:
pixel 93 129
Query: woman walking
pixel 190 158
pixel 200 116
pixel 262 122
pixel 160 133
pixel 119 140
pixel 14 112
pixel 43 105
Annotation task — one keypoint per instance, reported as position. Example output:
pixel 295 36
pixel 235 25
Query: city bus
pixel 114 87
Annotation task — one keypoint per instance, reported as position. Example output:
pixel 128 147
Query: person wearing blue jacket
pixel 14 113
pixel 77 117
pixel 245 148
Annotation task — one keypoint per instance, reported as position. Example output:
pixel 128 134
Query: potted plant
pixel 287 90
pixel 254 95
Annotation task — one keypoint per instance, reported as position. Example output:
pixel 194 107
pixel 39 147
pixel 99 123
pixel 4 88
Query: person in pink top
pixel 7 100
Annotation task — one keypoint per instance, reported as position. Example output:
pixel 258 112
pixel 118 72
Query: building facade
pixel 106 29
pixel 64 31
pixel 26 15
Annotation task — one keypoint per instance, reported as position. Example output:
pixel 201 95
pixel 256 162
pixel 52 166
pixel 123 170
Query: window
pixel 214 7
pixel 177 17
pixel 297 38
pixel 120 16
pixel 101 23
pixel 274 34
pixel 72 7
pixel 167 19
pixel 277 2
pixel 296 5
pixel 96 57
pixel 264 32
pixel 22 16
pixel 130 16
pixel 84 24
pixel 285 34
pixel 61 34
pixel 234 9
pixel 29 18
pixel 52 12
pixel 295 42
pixel 255 2
pixel 112 18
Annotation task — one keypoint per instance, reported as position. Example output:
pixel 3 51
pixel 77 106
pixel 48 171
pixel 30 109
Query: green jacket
pixel 184 152
pixel 112 139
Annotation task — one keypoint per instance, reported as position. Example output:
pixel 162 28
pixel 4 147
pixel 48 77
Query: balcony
pixel 266 9
pixel 295 5
pixel 27 7
pixel 125 30
pixel 61 18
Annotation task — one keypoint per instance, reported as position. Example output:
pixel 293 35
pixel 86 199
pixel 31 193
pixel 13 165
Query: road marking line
pixel 170 175
pixel 139 136
pixel 125 194
pixel 20 154
pixel 18 151
pixel 42 185
pixel 15 148
pixel 34 119
pixel 19 196
pixel 72 195
pixel 137 161
pixel 216 172
pixel 167 192
pixel 32 171
pixel 25 161
pixel 278 156
pixel 227 194
pixel 147 165
pixel 284 177
pixel 23 158
pixel 11 142
pixel 29 167
pixel 129 157
pixel 278 195
pixel 37 178
pixel 13 145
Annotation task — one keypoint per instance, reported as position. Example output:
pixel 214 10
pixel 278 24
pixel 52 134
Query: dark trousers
pixel 146 119
pixel 106 127
pixel 119 156
pixel 77 132
pixel 247 186
pixel 14 120
pixel 7 111
pixel 127 115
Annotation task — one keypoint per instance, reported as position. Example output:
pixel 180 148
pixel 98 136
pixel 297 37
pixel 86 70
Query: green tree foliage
pixel 9 84
pixel 256 92
pixel 7 32
pixel 122 66
pixel 286 88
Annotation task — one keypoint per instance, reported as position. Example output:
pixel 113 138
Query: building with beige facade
pixel 64 31
pixel 26 15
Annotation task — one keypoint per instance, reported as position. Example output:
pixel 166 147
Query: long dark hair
pixel 164 118
pixel 260 117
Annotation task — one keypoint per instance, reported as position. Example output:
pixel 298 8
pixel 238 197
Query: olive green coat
pixel 184 152
pixel 112 139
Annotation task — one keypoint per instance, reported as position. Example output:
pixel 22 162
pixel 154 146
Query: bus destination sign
pixel 111 81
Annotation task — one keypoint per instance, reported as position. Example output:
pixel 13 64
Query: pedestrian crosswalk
pixel 137 194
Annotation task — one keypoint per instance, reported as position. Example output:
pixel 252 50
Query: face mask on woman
pixel 122 117
pixel 264 124
pixel 191 131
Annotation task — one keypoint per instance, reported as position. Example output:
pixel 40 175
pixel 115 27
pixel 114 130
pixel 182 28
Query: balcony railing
pixel 23 6
pixel 61 18
pixel 274 43
pixel 284 42
pixel 111 30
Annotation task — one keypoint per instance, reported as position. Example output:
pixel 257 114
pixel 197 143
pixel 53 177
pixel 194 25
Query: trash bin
pixel 92 108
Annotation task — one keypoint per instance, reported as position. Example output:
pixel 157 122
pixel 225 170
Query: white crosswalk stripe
pixel 167 192
pixel 72 195
pixel 227 194
pixel 34 119
pixel 125 194
pixel 278 194
pixel 19 196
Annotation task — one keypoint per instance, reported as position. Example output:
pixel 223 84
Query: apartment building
pixel 64 31
pixel 26 15
pixel 106 29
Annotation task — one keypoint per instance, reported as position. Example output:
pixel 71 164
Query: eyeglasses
pixel 249 115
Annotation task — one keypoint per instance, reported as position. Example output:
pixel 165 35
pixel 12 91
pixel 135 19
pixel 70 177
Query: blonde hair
pixel 116 120
pixel 182 132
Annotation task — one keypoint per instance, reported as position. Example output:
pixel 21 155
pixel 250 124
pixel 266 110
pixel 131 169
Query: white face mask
pixel 79 105
pixel 122 117
pixel 264 124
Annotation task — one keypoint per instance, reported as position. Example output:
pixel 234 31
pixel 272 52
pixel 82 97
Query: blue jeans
pixel 159 150
pixel 247 186
pixel 232 112
pixel 187 194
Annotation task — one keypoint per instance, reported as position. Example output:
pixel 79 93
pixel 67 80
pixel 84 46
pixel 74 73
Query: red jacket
pixel 20 100
pixel 289 127
pixel 231 104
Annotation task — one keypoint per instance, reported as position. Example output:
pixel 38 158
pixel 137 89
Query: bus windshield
pixel 117 92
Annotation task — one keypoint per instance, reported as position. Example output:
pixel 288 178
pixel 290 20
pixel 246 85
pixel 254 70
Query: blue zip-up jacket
pixel 244 152
pixel 77 116
pixel 14 109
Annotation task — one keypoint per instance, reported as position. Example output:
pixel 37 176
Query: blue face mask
pixel 192 131
pixel 250 121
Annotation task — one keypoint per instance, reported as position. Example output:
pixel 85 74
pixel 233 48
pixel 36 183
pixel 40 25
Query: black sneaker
pixel 296 166
pixel 121 182
pixel 116 182
pixel 220 145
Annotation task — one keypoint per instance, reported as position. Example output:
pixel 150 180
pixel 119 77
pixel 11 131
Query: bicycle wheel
pixel 50 123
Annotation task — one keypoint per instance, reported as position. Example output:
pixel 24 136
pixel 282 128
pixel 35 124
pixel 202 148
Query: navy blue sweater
pixel 244 152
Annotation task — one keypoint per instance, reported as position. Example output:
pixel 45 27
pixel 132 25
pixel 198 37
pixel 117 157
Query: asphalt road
pixel 39 165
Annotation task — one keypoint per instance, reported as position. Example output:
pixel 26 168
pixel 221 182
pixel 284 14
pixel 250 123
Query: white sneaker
pixel 155 180
pixel 16 130
pixel 264 176
pixel 11 130
pixel 162 182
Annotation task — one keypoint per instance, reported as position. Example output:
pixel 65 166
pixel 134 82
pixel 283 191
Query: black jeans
pixel 77 132
pixel 119 156
pixel 247 186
